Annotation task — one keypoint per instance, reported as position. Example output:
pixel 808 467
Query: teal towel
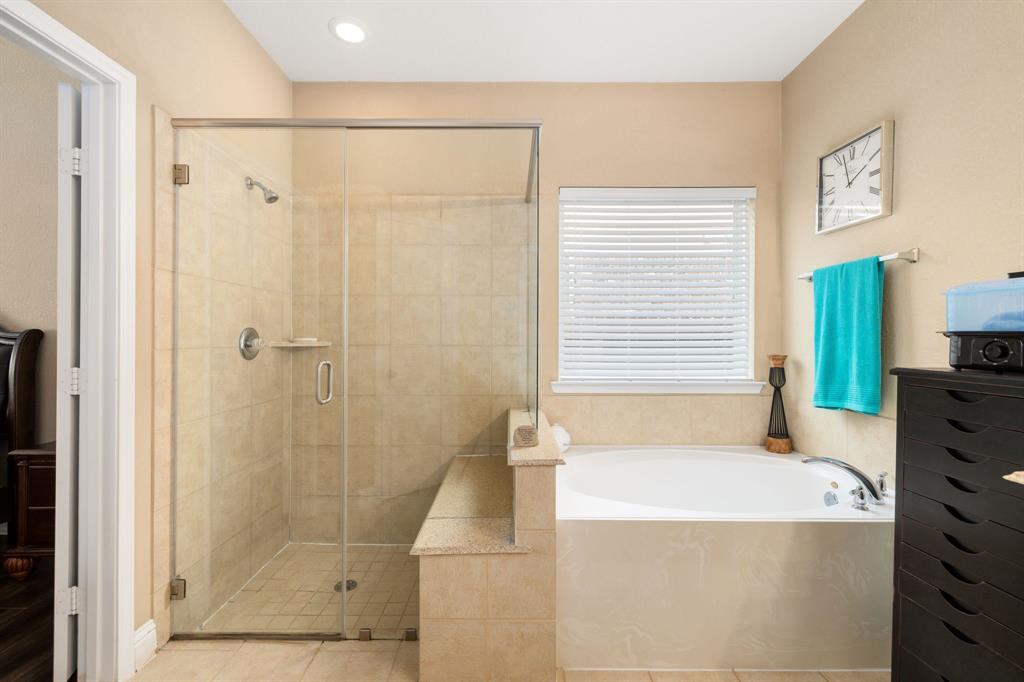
pixel 848 336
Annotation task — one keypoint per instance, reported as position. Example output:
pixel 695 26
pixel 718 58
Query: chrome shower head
pixel 269 195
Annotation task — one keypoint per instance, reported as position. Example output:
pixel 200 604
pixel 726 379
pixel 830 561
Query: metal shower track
pixel 381 124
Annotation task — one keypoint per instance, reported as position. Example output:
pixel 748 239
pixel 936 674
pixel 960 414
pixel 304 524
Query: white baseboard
pixel 145 644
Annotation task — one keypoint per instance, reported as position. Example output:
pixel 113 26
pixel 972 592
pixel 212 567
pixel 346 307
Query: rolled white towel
pixel 562 437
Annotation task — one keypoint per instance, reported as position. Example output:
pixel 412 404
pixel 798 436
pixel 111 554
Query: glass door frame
pixel 531 196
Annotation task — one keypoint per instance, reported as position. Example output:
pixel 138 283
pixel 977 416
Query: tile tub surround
pixel 716 594
pixel 488 612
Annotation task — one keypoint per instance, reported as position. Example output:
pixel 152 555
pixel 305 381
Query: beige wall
pixel 28 213
pixel 191 59
pixel 619 135
pixel 951 74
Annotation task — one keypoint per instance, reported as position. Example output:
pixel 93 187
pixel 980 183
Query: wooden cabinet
pixel 958 610
pixel 32 474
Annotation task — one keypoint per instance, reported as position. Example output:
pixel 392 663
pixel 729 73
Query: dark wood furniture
pixel 18 354
pixel 958 609
pixel 33 477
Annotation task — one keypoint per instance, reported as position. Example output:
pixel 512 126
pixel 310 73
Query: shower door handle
pixel 320 397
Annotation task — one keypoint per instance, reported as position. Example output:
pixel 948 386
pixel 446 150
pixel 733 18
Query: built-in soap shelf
pixel 297 343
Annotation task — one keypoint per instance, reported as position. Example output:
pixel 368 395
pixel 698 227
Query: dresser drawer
pixel 975 593
pixel 913 669
pixel 978 408
pixel 966 619
pixel 977 504
pixel 974 562
pixel 989 441
pixel 966 466
pixel 950 652
pixel 971 532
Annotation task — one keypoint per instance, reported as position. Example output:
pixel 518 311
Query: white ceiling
pixel 544 40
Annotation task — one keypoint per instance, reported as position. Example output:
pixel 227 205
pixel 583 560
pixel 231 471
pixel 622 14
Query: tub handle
pixel 860 498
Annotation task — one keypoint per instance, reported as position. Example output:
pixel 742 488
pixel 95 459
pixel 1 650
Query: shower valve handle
pixel 860 498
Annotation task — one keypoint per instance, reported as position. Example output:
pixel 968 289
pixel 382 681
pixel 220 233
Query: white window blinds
pixel 655 285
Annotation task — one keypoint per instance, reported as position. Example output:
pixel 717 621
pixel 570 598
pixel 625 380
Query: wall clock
pixel 855 180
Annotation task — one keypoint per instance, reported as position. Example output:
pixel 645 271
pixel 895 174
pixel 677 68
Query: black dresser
pixel 958 605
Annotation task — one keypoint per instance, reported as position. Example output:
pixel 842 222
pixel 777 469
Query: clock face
pixel 850 183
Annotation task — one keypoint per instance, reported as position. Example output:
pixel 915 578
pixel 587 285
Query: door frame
pixel 107 385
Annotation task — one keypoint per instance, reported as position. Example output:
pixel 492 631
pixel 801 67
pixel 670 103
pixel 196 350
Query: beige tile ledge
pixel 545 453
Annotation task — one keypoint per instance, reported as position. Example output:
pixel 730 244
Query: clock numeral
pixel 875 190
pixel 875 172
pixel 875 154
pixel 830 192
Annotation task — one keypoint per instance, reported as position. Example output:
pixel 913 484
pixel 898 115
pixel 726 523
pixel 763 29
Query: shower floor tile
pixel 295 592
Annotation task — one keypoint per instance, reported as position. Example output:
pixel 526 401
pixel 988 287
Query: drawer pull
pixel 959 545
pixel 966 397
pixel 959 635
pixel 959 575
pixel 962 516
pixel 956 604
pixel 961 486
pixel 965 427
pixel 965 457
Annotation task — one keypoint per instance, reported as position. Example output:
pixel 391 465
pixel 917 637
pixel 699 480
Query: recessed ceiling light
pixel 348 29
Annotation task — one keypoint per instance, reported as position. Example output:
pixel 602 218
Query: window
pixel 656 290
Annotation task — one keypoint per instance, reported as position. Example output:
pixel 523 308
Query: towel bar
pixel 910 256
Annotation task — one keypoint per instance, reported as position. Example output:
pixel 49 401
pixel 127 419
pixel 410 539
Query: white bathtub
pixel 697 558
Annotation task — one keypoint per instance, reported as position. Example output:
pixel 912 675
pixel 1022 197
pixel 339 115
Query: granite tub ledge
pixel 545 453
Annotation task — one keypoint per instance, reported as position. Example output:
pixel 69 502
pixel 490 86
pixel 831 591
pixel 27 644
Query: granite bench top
pixel 472 512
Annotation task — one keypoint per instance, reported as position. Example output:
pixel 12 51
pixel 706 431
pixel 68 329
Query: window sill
pixel 745 387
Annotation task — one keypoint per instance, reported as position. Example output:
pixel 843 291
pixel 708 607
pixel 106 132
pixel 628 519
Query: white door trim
pixel 107 436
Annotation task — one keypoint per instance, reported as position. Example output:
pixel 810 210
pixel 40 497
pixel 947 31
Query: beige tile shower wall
pixel 609 135
pixel 226 429
pixel 437 347
pixel 318 311
pixel 951 75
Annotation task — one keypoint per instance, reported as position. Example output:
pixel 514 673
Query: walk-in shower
pixel 387 287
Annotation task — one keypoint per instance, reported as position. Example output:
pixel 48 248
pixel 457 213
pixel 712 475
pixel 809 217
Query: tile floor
pixel 386 661
pixel 720 676
pixel 295 592
pixel 266 661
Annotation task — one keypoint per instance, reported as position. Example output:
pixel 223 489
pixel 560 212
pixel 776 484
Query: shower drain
pixel 349 585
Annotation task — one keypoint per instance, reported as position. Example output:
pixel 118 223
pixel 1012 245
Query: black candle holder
pixel 778 440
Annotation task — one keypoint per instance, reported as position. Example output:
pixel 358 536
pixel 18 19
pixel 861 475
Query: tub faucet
pixel 875 496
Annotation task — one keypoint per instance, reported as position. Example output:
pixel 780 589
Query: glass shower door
pixel 256 497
